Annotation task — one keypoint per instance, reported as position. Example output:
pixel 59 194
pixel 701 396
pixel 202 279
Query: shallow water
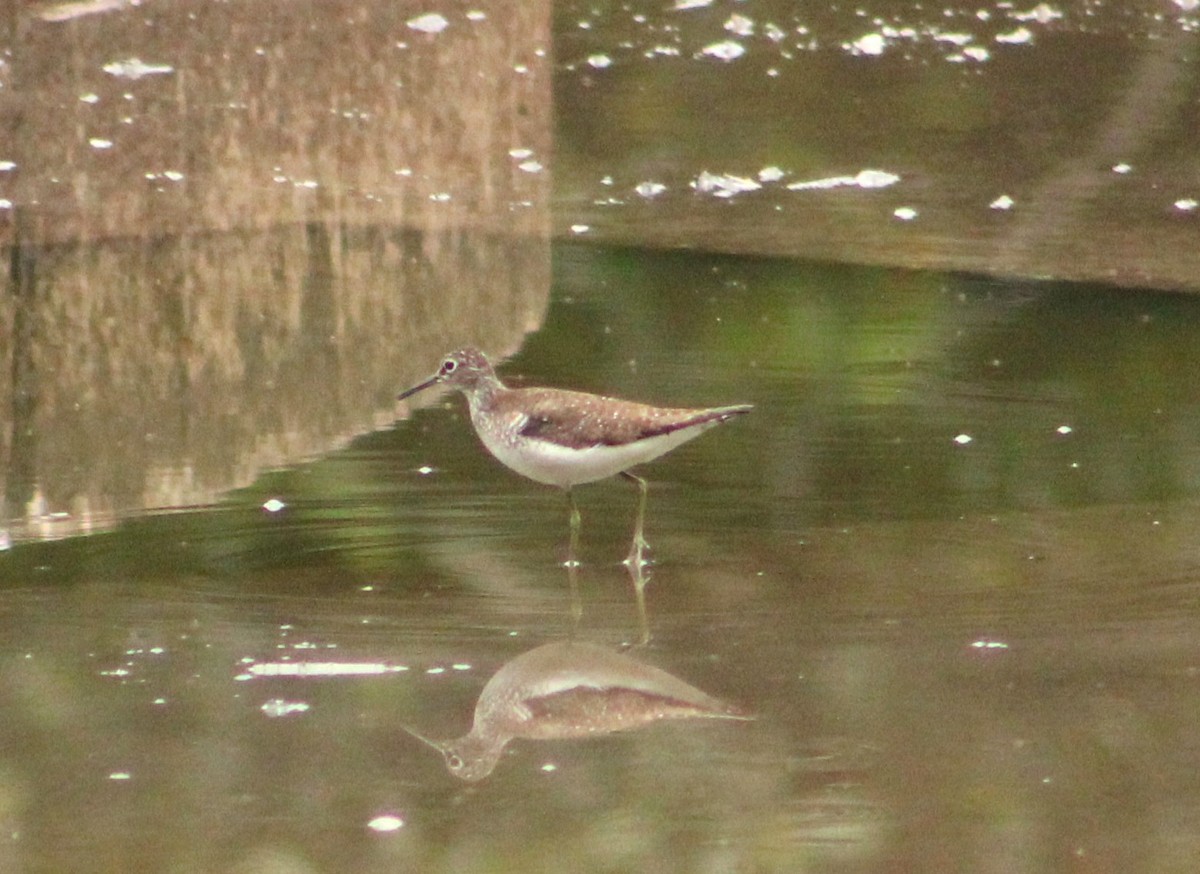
pixel 948 562
pixel 960 653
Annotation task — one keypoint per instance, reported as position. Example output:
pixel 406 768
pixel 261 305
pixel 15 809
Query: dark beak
pixel 433 380
pixel 437 745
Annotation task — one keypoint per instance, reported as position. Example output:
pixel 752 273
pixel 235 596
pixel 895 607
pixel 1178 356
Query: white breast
pixel 557 465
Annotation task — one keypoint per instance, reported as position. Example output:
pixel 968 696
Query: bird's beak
pixel 437 745
pixel 433 380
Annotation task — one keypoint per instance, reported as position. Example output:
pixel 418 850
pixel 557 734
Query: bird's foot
pixel 639 555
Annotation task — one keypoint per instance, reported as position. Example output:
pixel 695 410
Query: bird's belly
pixel 557 465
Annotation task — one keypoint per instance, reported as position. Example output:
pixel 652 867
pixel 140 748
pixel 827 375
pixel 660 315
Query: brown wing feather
pixel 581 420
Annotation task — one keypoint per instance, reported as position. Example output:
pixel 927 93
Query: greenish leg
pixel 637 549
pixel 639 578
pixel 572 563
pixel 576 599
pixel 576 522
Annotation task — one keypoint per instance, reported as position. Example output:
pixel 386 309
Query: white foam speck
pixel 963 439
pixel 875 179
pixel 1020 36
pixel 1002 202
pixel 1122 168
pixel 986 644
pixel 740 25
pixel 1186 204
pixel 958 39
pixel 726 50
pixel 277 707
pixel 431 22
pixel 681 5
pixel 580 229
pixel 1043 13
pixel 386 822
pixel 863 179
pixel 770 174
pixel 868 44
pixel 599 62
pixel 723 185
pixel 650 190
pixel 135 68
pixel 100 143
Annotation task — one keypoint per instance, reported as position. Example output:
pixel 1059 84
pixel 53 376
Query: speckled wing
pixel 569 689
pixel 578 420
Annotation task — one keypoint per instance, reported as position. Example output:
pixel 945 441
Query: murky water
pixel 948 564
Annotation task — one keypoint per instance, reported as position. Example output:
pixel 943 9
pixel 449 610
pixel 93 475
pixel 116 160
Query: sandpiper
pixel 567 438
pixel 571 689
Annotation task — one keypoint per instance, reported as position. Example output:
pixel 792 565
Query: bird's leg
pixel 576 599
pixel 637 549
pixel 576 521
pixel 572 563
pixel 639 578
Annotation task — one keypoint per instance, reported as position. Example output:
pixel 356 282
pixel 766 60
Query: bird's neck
pixel 483 393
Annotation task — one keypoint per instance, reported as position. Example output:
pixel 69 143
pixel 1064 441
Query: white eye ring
pixel 449 365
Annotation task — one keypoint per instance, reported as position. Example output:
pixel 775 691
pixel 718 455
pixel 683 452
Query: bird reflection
pixel 570 689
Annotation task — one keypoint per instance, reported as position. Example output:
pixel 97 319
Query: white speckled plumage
pixel 571 689
pixel 566 438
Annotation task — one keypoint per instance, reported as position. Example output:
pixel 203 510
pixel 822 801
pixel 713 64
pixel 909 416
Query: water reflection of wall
pixel 228 249
pixel 166 374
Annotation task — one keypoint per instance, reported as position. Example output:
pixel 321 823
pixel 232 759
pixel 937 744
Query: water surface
pixel 948 563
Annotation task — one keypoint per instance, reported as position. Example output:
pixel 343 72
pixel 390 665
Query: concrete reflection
pixel 571 689
pixel 227 252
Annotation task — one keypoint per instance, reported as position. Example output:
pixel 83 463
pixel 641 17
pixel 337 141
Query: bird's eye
pixel 449 366
pixel 455 762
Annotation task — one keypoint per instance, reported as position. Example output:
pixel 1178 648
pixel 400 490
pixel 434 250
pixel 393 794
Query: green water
pixel 945 641
pixel 948 562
